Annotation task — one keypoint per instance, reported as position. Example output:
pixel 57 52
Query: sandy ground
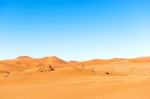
pixel 107 81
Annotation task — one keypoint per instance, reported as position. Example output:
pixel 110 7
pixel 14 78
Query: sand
pixel 94 79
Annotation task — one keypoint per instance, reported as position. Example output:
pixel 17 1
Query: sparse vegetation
pixel 107 73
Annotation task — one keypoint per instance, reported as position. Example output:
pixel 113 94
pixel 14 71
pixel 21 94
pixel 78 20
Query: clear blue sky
pixel 74 29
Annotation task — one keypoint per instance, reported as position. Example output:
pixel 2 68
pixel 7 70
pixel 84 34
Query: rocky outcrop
pixel 45 68
pixel 4 73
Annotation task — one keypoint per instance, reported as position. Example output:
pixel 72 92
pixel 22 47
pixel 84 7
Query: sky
pixel 74 29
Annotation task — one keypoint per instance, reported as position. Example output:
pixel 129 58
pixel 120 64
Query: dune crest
pixel 53 59
pixel 23 58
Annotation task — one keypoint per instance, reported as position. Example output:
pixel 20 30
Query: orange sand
pixel 94 79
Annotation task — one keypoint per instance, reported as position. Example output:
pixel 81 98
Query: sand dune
pixel 51 77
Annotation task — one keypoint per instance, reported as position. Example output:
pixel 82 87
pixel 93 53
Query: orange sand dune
pixel 53 78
